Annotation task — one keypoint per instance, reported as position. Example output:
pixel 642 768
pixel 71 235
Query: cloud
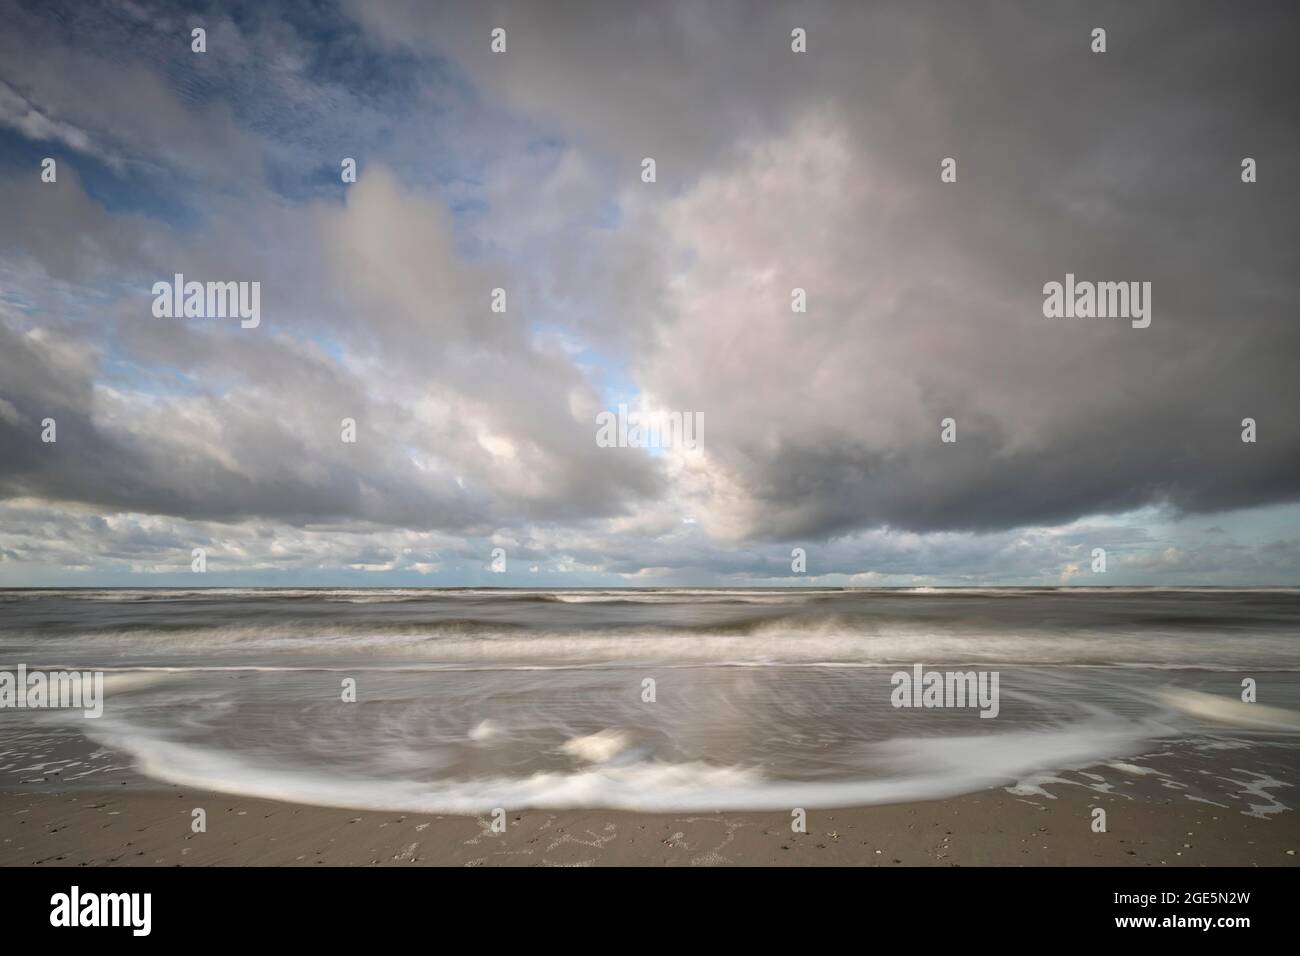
pixel 16 112
pixel 926 297
pixel 463 420
pixel 777 170
pixel 92 81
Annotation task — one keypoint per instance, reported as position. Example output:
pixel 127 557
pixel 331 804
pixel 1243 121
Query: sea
pixel 656 699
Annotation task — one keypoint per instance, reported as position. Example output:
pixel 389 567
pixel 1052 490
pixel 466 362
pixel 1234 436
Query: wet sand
pixel 1149 823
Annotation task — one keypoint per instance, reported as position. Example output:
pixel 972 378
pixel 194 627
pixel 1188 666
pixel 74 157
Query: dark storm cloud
pixel 1122 166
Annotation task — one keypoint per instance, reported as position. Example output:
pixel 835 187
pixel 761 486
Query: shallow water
pixel 763 699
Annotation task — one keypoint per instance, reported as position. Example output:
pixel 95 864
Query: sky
pixel 774 170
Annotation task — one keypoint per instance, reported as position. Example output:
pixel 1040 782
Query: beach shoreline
pixel 136 822
pixel 667 727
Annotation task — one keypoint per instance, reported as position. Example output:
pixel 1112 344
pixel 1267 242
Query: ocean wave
pixel 829 639
pixel 906 769
pixel 1217 709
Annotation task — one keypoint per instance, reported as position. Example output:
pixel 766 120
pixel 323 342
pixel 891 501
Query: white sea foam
pixel 904 769
pixel 599 747
pixel 1229 710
